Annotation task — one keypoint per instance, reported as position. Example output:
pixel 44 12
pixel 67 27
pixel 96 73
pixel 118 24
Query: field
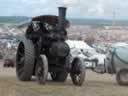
pixel 95 85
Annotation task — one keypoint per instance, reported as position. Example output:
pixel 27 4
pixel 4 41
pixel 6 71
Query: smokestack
pixel 61 18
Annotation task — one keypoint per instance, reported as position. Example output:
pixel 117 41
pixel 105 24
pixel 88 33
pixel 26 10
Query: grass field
pixel 95 85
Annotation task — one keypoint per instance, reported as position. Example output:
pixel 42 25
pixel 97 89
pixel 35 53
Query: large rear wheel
pixel 25 59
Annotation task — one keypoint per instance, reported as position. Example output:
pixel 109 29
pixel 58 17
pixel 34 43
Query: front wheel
pixel 77 72
pixel 41 70
pixel 122 77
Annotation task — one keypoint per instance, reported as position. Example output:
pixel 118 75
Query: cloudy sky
pixel 76 8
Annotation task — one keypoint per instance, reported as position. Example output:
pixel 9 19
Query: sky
pixel 76 8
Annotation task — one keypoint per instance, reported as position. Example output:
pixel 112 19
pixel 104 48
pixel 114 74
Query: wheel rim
pixel 78 78
pixel 41 70
pixel 20 59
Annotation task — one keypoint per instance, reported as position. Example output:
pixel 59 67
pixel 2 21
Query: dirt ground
pixel 95 85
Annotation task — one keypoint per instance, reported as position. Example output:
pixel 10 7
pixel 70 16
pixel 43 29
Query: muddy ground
pixel 95 85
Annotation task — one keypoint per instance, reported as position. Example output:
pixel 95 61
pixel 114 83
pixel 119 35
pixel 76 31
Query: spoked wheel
pixel 122 77
pixel 60 76
pixel 77 72
pixel 25 60
pixel 42 69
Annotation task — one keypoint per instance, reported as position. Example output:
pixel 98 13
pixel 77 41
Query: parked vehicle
pixel 117 62
pixel 91 59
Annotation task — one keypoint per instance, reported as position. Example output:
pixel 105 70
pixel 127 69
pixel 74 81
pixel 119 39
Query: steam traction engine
pixel 43 49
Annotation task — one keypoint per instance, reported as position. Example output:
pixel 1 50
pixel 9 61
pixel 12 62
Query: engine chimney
pixel 61 18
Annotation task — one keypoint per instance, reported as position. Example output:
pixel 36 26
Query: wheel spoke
pixel 79 78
